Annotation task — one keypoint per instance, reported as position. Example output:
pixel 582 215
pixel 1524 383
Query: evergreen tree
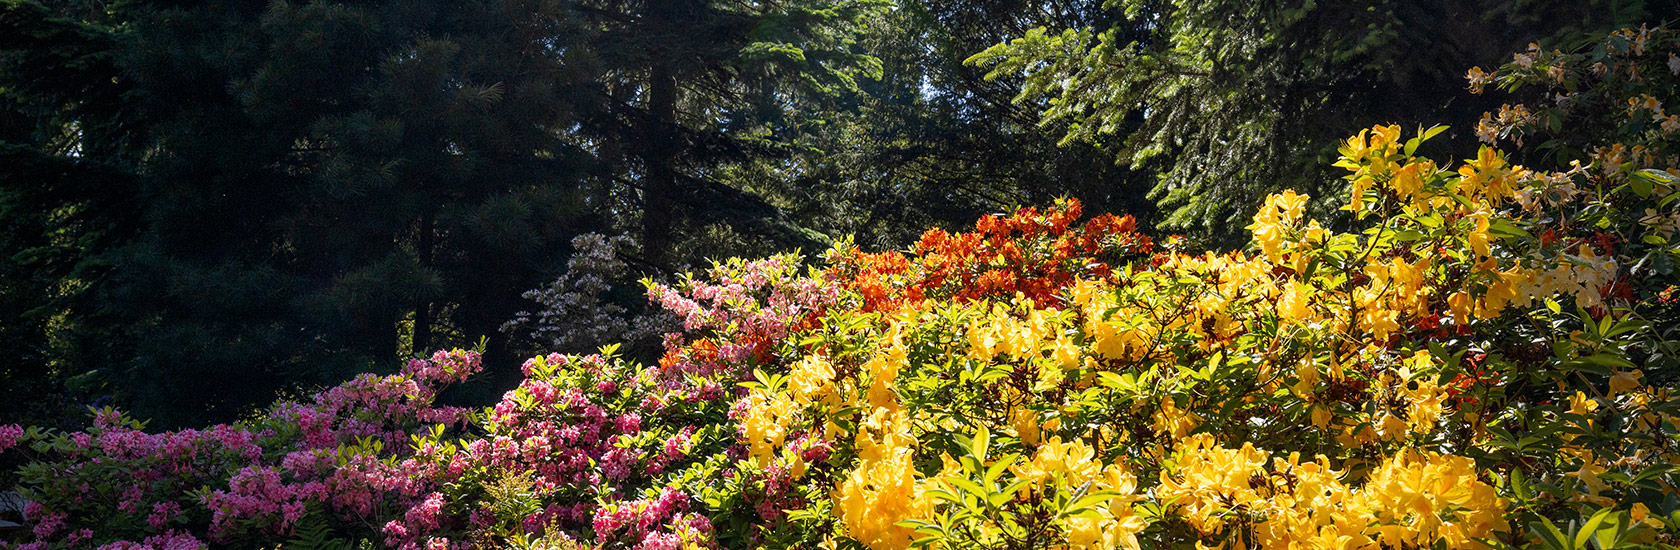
pixel 937 143
pixel 310 184
pixel 64 193
pixel 289 193
pixel 1227 101
pixel 695 90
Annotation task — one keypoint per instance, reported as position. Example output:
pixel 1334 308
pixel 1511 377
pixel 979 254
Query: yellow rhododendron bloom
pixel 1281 212
pixel 1295 305
pixel 1210 479
pixel 1641 514
pixel 1417 498
pixel 1589 474
pixel 1172 420
pixel 1115 525
pixel 1289 206
pixel 1408 180
pixel 812 381
pixel 1385 139
pixel 765 426
pixel 1074 461
pixel 1307 378
pixel 1485 177
pixel 1065 354
pixel 883 490
pixel 883 369
pixel 1356 147
pixel 1460 302
pixel 1477 236
pixel 1580 404
pixel 1026 425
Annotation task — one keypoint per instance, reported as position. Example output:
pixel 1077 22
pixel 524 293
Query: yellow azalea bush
pixel 1453 371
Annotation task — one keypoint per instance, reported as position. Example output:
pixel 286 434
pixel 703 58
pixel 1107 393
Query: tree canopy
pixel 207 203
pixel 1193 92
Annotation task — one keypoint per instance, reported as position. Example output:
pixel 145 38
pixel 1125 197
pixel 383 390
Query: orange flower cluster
pixel 1037 254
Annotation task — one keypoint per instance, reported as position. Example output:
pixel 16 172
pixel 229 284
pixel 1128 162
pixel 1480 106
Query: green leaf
pixel 1550 534
pixel 1590 527
pixel 969 486
pixel 1641 186
pixel 1504 228
pixel 997 468
pixel 1412 145
pixel 1007 493
pixel 1087 503
pixel 1609 360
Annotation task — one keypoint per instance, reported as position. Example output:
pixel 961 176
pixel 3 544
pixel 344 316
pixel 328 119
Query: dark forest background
pixel 207 204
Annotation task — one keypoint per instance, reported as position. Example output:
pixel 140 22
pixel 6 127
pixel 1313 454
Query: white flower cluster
pixel 574 317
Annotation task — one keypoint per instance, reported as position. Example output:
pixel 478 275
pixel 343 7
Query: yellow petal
pixel 1624 381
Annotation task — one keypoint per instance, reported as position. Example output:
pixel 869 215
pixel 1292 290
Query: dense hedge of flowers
pixel 344 454
pixel 1484 359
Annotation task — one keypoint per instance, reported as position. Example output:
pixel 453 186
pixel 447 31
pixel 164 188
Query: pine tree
pixel 231 197
pixel 64 190
pixel 698 88
pixel 935 143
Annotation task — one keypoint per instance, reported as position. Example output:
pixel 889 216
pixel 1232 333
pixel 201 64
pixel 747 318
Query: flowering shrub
pixel 1606 105
pixel 343 456
pixel 1180 400
pixel 1479 362
pixel 1031 252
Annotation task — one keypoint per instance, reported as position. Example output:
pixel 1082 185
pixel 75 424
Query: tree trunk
pixel 659 158
pixel 659 131
pixel 422 339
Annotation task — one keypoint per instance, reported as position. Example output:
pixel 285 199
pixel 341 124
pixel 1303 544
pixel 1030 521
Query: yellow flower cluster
pixel 770 413
pixel 1372 158
pixel 1281 213
pixel 1489 178
pixel 1419 497
pixel 1002 333
pixel 1413 500
pixel 765 426
pixel 1113 525
pixel 883 490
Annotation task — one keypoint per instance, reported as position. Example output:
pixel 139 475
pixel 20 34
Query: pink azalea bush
pixel 587 450
pixel 343 456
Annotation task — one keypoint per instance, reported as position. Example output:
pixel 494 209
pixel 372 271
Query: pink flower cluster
pixel 748 306
pixel 425 516
pixel 444 368
pixel 172 540
pixel 579 433
pixel 639 522
pixel 675 448
pixel 259 492
pixel 9 435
